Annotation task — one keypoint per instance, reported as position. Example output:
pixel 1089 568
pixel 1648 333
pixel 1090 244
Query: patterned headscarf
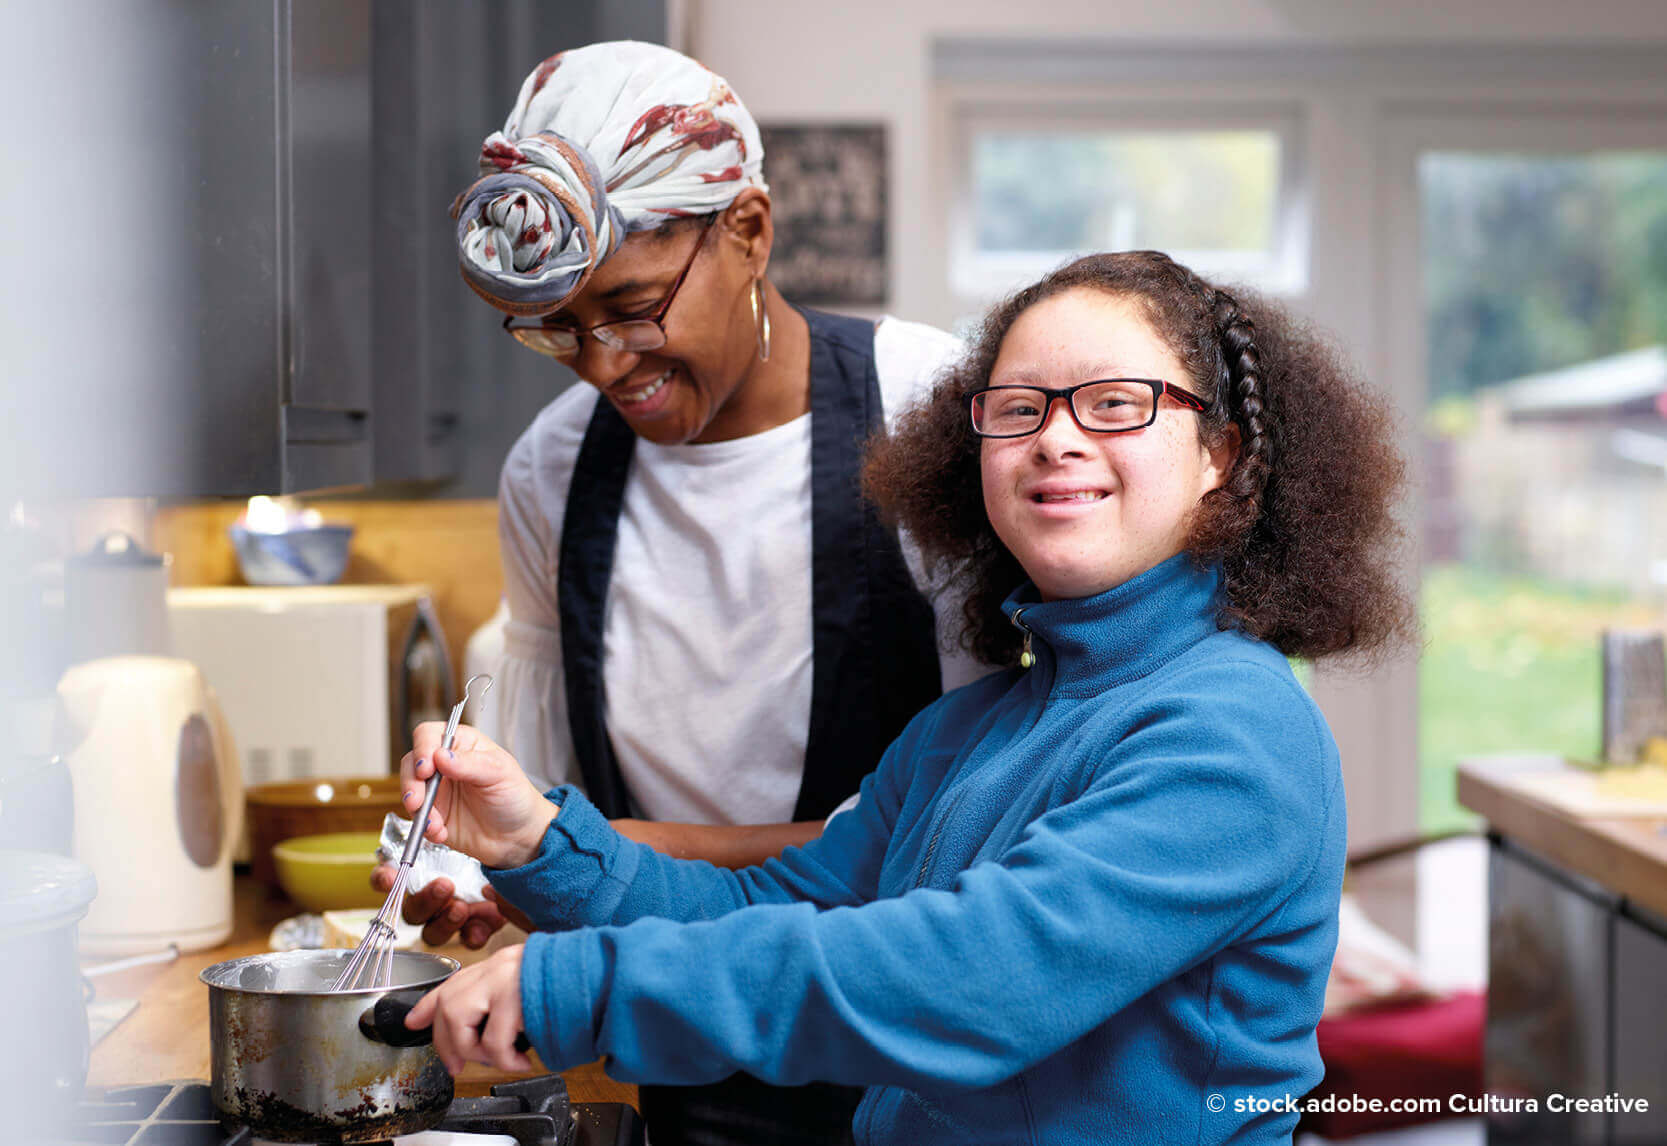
pixel 604 140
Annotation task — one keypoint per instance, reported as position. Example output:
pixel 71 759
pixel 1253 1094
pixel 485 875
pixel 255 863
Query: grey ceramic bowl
pixel 312 556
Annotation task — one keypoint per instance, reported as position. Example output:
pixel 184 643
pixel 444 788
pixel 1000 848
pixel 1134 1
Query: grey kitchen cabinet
pixel 1640 1028
pixel 281 400
pixel 1549 984
pixel 1577 1006
pixel 432 106
pixel 326 392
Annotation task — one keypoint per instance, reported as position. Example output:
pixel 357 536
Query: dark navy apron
pixel 874 665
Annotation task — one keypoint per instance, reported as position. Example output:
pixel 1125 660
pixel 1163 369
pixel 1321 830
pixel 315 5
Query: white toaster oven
pixel 322 680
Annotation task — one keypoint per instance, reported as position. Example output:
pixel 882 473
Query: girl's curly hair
pixel 1303 527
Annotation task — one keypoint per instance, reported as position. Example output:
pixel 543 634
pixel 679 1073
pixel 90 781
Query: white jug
pixel 158 802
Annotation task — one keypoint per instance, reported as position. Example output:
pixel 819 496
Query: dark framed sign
pixel 828 197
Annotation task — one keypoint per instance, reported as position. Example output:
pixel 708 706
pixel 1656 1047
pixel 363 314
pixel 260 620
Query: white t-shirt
pixel 706 634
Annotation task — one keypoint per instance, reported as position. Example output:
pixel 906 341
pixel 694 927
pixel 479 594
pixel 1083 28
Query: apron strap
pixel 875 652
pixel 590 530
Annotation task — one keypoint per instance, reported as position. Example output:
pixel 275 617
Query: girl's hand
pixel 476 1015
pixel 486 806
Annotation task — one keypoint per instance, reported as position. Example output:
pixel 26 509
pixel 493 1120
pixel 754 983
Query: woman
pixel 694 580
pixel 1089 899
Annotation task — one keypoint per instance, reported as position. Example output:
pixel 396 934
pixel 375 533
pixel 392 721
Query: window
pixel 1218 192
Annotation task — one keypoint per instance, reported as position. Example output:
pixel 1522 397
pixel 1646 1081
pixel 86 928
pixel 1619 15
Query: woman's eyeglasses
pixel 1106 406
pixel 633 335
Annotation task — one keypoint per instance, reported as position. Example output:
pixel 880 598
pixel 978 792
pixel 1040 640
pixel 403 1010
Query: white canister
pixel 158 802
pixel 116 601
pixel 43 1058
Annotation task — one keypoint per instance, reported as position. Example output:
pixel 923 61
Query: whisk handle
pixel 419 826
pixel 414 841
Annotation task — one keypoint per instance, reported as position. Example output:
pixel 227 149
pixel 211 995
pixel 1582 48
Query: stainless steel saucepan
pixel 297 1062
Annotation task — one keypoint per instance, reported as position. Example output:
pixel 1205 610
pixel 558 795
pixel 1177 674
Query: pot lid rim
pixel 36 887
pixel 208 975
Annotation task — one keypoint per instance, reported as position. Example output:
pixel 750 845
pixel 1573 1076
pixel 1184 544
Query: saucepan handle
pixel 384 1022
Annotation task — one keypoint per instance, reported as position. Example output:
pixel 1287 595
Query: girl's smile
pixel 1064 498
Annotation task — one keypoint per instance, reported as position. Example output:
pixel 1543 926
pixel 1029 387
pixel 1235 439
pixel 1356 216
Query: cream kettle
pixel 158 802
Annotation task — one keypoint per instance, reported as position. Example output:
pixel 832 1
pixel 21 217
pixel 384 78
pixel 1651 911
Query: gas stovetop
pixel 529 1112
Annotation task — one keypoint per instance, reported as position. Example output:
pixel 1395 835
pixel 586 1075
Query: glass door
pixel 1529 314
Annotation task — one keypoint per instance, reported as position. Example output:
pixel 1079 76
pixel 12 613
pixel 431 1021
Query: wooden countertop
pixel 167 1037
pixel 1626 854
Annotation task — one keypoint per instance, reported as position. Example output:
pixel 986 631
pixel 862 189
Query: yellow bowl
pixel 330 872
pixel 282 811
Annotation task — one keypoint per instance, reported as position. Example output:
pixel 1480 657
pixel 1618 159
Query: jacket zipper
pixel 1026 658
pixel 932 844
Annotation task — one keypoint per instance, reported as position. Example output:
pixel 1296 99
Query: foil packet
pixel 433 861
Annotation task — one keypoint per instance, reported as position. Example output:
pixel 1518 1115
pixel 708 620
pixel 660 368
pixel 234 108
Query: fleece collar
pixel 1089 644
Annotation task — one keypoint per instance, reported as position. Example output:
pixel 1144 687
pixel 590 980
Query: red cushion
pixel 1410 1050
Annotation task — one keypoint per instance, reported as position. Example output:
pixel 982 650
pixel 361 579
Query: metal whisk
pixel 373 960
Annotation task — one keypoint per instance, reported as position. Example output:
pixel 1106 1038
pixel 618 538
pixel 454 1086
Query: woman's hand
pixel 486 806
pixel 476 1014
pixel 443 915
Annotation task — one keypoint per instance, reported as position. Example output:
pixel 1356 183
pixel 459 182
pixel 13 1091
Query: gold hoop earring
pixel 761 319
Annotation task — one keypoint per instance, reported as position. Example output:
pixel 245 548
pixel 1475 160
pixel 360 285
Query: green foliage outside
pixel 1531 263
pixel 1534 263
pixel 1511 664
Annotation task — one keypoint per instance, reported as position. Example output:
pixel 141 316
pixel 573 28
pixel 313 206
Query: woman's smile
pixel 643 398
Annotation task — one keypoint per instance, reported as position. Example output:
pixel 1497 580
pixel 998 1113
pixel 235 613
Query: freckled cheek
pixel 999 482
pixel 1151 476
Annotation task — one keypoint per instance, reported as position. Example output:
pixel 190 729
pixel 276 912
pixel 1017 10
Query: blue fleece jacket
pixel 1090 902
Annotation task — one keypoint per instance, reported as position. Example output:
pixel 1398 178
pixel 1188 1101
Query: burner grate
pixel 534 1111
pixel 164 1114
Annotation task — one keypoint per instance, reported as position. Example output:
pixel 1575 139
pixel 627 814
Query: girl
pixel 1088 899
